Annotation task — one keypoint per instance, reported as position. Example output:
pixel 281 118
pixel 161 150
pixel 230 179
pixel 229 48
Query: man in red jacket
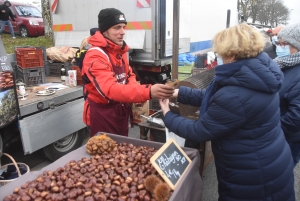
pixel 109 84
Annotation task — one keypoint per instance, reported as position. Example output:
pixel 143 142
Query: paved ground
pixel 36 162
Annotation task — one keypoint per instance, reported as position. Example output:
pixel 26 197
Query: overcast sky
pixel 295 13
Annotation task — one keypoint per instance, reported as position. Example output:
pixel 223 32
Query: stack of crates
pixel 55 68
pixel 30 65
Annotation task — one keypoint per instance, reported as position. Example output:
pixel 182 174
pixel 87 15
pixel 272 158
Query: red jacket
pixel 103 86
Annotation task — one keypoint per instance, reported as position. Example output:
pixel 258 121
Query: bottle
pixel 63 74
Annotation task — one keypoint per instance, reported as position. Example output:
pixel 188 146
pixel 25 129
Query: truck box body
pixel 150 25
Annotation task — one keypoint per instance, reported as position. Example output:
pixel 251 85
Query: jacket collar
pixel 100 41
pixel 260 73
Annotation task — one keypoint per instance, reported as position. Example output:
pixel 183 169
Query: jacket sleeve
pixel 290 120
pixel 98 70
pixel 187 95
pixel 11 15
pixel 224 115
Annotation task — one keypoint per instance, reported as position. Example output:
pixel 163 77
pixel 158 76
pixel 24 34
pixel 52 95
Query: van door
pixel 14 24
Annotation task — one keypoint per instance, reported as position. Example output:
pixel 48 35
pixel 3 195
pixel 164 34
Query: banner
pixel 54 5
pixel 9 107
pixel 143 3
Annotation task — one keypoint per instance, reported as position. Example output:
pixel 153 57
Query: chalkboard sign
pixel 9 107
pixel 171 163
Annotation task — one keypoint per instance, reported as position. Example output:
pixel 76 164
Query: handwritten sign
pixel 171 163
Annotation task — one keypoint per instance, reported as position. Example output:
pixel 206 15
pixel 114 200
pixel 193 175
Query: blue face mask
pixel 282 51
pixel 219 61
pixel 274 40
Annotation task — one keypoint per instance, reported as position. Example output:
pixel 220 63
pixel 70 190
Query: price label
pixel 171 163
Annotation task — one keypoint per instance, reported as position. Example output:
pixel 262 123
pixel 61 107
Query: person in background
pixel 5 13
pixel 271 49
pixel 240 115
pixel 289 62
pixel 110 86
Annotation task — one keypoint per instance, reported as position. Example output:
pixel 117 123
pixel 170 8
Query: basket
pixel 3 182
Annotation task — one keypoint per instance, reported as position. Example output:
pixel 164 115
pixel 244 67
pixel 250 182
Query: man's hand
pixel 3 11
pixel 161 91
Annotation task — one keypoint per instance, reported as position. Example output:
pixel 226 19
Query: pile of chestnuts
pixel 118 175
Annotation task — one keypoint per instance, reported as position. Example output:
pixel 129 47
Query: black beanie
pixel 109 17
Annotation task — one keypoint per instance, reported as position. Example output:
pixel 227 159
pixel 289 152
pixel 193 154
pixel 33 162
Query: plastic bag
pixel 179 140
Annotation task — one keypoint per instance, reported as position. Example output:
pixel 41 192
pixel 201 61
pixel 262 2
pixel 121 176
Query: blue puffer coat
pixel 290 103
pixel 253 160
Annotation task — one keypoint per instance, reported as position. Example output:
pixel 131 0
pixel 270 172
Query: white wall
pixel 209 17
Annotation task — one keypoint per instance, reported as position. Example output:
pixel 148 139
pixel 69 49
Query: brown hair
pixel 241 41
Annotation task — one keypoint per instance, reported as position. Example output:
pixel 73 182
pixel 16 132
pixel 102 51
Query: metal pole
pixel 228 19
pixel 175 52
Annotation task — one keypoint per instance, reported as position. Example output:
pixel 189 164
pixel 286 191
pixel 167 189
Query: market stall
pixel 189 188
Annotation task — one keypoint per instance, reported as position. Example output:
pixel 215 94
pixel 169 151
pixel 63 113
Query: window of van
pixel 28 11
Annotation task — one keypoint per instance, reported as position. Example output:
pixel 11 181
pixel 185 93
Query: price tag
pixel 171 163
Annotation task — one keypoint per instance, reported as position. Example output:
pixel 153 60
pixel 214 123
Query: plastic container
pixel 29 57
pixel 55 67
pixel 154 104
pixel 32 76
pixel 198 70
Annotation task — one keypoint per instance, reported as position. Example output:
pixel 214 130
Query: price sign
pixel 171 163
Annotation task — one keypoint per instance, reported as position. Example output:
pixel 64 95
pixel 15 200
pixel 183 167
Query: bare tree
pixel 47 18
pixel 244 8
pixel 281 13
pixel 267 12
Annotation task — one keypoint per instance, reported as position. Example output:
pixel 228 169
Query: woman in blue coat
pixel 289 62
pixel 240 115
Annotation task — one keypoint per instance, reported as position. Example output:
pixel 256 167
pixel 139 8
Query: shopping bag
pixel 179 140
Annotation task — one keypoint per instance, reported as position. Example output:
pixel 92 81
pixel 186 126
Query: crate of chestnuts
pixel 120 171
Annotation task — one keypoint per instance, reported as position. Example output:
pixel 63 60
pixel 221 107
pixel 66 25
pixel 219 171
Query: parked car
pixel 29 21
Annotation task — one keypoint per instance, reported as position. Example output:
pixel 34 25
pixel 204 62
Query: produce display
pixel 100 144
pixel 6 80
pixel 116 171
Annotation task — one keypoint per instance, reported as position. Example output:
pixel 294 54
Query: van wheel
pixel 24 32
pixel 65 145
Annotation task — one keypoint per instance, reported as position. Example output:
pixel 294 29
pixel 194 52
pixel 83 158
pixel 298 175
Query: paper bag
pixel 179 140
pixel 138 109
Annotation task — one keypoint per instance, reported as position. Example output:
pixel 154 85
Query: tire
pixel 65 145
pixel 24 32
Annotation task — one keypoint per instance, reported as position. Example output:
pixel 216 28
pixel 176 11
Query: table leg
pixel 144 133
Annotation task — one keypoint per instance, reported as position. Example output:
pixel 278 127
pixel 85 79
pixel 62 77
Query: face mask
pixel 282 51
pixel 274 40
pixel 219 61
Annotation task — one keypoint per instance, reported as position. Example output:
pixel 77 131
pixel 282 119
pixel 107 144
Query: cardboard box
pixel 138 109
pixel 189 188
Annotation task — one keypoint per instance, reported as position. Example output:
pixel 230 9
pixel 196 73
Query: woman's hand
pixel 164 104
pixel 175 93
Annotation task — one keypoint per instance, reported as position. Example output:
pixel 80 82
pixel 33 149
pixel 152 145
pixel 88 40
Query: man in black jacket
pixel 5 13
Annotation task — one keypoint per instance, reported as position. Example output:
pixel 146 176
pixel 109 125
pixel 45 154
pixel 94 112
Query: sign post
pixel 171 163
pixel 9 107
